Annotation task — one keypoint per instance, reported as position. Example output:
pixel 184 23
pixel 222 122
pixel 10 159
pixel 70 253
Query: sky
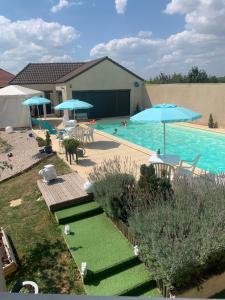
pixel 146 36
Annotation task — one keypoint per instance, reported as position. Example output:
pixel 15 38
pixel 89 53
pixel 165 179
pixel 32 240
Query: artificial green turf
pixel 98 242
pixel 120 283
pixel 75 210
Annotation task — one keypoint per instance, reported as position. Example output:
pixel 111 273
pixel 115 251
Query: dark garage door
pixel 106 103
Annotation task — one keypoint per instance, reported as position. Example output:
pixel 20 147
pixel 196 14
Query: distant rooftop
pixel 50 73
pixel 5 77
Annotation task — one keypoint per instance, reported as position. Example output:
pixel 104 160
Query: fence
pixel 129 235
pixel 125 231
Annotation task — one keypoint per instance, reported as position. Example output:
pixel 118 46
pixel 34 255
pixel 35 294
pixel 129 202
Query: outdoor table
pixel 166 159
pixel 70 123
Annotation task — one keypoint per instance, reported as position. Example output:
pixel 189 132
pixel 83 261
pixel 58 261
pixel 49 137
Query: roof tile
pixel 5 77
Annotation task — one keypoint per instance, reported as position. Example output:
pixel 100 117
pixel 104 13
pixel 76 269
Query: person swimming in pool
pixel 115 131
pixel 123 123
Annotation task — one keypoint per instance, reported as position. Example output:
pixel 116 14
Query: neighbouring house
pixel 111 88
pixel 5 78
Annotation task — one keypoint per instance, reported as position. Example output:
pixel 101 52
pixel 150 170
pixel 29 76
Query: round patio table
pixel 165 158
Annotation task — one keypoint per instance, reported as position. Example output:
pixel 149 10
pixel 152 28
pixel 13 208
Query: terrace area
pixel 113 269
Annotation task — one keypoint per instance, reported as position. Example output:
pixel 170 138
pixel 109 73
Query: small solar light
pixel 136 250
pixel 83 269
pixel 67 229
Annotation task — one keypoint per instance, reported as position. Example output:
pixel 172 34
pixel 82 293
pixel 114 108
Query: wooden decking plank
pixel 45 192
pixel 74 187
pixel 68 190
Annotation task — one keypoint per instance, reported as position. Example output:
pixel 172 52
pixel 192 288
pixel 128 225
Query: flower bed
pixel 179 228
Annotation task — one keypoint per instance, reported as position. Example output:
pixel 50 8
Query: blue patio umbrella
pixel 166 113
pixel 36 100
pixel 73 104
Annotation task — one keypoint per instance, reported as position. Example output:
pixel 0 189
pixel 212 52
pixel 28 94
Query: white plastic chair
pixel 187 167
pixel 70 123
pixel 89 134
pixel 79 134
pixel 70 131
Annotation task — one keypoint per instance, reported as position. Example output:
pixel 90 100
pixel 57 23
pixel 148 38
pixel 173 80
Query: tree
pixel 196 75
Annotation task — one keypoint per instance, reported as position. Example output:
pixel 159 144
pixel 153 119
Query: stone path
pixel 25 152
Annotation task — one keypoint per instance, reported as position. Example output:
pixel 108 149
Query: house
pixel 110 87
pixel 5 77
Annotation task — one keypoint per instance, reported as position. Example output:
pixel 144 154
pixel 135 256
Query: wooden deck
pixel 65 191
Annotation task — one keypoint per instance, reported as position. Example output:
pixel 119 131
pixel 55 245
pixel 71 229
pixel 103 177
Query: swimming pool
pixel 186 142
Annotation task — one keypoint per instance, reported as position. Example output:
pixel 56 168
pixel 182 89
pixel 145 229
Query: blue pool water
pixel 186 142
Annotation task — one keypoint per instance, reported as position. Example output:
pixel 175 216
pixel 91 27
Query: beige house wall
pixel 202 98
pixel 106 76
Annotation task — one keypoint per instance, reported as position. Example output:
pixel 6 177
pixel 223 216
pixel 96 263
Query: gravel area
pixel 25 152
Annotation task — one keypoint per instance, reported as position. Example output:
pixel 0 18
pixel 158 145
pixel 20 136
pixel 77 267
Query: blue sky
pixel 147 36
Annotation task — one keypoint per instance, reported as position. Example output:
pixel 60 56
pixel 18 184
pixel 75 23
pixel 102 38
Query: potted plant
pixel 48 143
pixel 211 121
pixel 71 146
pixel 40 141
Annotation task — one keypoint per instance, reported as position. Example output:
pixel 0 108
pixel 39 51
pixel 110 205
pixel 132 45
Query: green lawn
pixel 42 252
pixel 108 254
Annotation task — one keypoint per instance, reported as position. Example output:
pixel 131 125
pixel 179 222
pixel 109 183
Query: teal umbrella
pixel 36 100
pixel 73 104
pixel 166 113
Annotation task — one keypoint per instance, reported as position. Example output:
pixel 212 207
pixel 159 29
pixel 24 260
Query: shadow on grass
pixel 140 289
pixel 43 264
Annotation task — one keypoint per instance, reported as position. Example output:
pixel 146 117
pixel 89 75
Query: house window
pixel 48 106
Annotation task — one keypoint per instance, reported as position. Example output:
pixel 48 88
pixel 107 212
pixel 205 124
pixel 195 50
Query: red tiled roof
pixel 5 77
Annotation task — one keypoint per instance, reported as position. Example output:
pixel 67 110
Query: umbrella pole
pixel 30 119
pixel 74 114
pixel 39 117
pixel 164 137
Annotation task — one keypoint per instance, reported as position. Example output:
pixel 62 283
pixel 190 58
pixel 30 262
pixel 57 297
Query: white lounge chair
pixel 187 167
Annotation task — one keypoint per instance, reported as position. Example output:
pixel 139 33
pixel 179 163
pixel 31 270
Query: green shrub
pixel 71 145
pixel 211 121
pixel 183 241
pixel 216 124
pixel 113 183
pixel 155 186
pixel 40 141
pixel 48 141
pixel 112 194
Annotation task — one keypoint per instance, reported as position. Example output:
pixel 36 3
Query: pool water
pixel 180 140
